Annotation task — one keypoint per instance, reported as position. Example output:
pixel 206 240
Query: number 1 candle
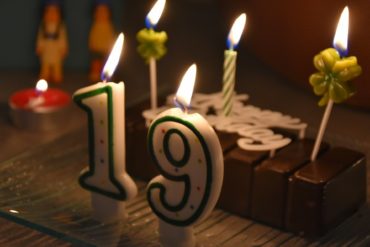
pixel 188 154
pixel 230 64
pixel 106 177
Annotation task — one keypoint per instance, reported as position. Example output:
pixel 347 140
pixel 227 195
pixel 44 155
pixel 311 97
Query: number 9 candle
pixel 188 154
pixel 106 177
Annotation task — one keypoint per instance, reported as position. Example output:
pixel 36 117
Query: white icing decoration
pixel 151 114
pixel 251 123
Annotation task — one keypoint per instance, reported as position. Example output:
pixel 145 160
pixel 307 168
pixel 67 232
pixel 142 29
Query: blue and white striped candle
pixel 230 63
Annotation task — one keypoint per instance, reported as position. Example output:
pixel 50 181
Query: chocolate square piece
pixel 325 192
pixel 139 163
pixel 270 183
pixel 227 140
pixel 239 166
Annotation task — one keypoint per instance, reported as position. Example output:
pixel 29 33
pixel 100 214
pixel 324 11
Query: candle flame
pixel 185 90
pixel 236 31
pixel 155 13
pixel 113 58
pixel 340 41
pixel 41 86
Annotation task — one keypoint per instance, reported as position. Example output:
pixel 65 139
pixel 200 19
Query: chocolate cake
pixel 138 162
pixel 271 179
pixel 323 193
pixel 286 191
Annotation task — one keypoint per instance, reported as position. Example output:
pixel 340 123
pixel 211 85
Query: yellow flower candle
pixel 332 82
pixel 151 46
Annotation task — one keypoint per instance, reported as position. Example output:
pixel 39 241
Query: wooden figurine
pixel 101 38
pixel 52 45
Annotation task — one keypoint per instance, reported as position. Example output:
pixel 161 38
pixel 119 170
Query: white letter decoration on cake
pixel 188 154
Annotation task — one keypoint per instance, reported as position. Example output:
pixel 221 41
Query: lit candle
pixel 39 108
pixel 106 177
pixel 188 154
pixel 152 47
pixel 40 98
pixel 41 87
pixel 332 82
pixel 230 63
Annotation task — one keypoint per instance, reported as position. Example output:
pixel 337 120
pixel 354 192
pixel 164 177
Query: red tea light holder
pixel 40 108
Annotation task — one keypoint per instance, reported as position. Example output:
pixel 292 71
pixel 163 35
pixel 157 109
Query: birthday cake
pixel 268 174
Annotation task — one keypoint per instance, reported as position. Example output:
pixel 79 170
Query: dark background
pixel 19 21
pixel 282 35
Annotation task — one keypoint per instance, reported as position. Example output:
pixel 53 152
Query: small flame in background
pixel 185 90
pixel 111 64
pixel 236 31
pixel 154 14
pixel 41 86
pixel 340 41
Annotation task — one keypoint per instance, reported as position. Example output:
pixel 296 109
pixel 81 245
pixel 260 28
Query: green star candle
pixel 228 80
pixel 332 82
pixel 106 177
pixel 188 154
pixel 152 46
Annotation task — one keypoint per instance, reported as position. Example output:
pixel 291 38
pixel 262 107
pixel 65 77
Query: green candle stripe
pixel 228 84
pixel 227 101
pixel 228 81
pixel 227 89
pixel 228 61
pixel 227 108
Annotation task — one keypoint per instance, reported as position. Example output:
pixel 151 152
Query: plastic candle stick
pixel 188 154
pixel 332 82
pixel 151 46
pixel 230 63
pixel 106 177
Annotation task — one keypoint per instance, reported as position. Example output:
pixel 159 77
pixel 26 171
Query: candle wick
pixel 104 77
pixel 230 44
pixel 38 93
pixel 180 105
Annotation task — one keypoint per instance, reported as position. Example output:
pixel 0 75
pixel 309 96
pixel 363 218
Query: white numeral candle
pixel 106 177
pixel 189 157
